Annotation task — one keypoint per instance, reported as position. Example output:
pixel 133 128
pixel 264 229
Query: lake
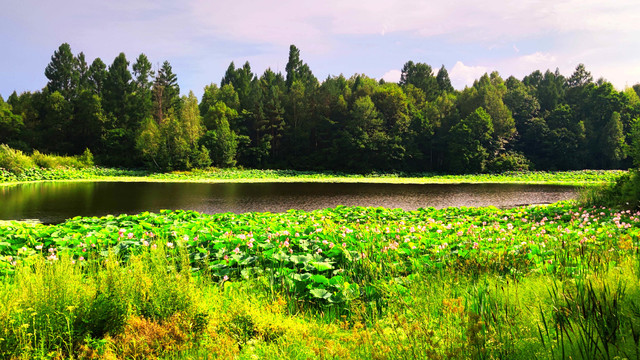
pixel 56 201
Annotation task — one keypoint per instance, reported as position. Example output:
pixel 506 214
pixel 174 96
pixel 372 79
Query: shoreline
pixel 582 177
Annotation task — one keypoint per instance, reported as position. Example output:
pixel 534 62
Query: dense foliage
pixel 623 193
pixel 130 115
pixel 553 281
pixel 332 240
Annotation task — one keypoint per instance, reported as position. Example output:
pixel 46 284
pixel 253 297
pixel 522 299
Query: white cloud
pixel 548 34
pixel 538 58
pixel 283 21
pixel 392 76
pixel 522 65
pixel 462 75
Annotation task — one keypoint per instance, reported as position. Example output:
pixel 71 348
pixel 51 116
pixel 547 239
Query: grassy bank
pixel 544 282
pixel 17 167
pixel 574 178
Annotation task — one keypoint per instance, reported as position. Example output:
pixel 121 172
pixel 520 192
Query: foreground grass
pixel 574 178
pixel 142 310
pixel 542 282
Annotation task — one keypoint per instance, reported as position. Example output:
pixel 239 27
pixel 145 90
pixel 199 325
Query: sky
pixel 374 37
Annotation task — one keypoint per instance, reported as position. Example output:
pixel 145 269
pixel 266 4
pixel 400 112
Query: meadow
pixel 547 282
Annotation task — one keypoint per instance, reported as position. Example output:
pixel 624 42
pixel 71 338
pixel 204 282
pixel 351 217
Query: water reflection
pixel 54 202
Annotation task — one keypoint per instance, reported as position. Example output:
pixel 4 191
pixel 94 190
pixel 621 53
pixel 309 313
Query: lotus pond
pixel 551 282
pixel 576 178
pixel 322 249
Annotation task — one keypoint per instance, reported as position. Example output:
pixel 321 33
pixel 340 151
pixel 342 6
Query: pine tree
pixel 444 83
pixel 60 71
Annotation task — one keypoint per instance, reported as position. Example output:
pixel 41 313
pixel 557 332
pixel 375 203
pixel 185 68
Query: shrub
pixel 14 160
pixel 50 161
pixel 44 161
pixel 510 161
pixel 86 159
pixel 625 192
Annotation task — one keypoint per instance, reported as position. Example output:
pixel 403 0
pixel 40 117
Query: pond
pixel 56 201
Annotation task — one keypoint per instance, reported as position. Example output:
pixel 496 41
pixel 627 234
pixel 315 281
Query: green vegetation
pixel 559 281
pixel 556 281
pixel 624 192
pixel 16 167
pixel 132 116
pixel 575 178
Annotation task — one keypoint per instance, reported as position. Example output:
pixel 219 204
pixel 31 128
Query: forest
pixel 130 115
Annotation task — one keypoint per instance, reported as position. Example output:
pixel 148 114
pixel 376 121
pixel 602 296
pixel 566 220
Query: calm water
pixel 54 202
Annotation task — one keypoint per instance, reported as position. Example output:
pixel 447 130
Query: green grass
pixel 556 281
pixel 573 178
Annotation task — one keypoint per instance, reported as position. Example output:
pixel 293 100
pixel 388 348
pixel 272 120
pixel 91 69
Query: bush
pixel 510 161
pixel 14 160
pixel 44 161
pixel 50 161
pixel 624 193
pixel 86 159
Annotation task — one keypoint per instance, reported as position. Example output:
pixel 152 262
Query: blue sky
pixel 375 37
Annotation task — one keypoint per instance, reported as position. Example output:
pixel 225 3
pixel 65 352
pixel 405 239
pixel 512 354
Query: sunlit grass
pixel 574 178
pixel 543 282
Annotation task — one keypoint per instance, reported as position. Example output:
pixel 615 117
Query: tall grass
pixel 579 300
pixel 68 308
pixel 14 160
pixel 151 307
pixel 48 161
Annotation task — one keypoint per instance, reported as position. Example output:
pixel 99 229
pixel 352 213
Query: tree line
pixel 130 115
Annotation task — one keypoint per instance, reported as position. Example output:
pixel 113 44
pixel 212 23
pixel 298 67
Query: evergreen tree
pixel 421 76
pixel 580 77
pixel 60 71
pixel 523 105
pixel 273 111
pixel 364 137
pixel 444 83
pixel 97 76
pixel 142 101
pixel 80 74
pixel 297 70
pixel 117 92
pixel 118 139
pixel 241 79
pixel 166 91
pixel 550 91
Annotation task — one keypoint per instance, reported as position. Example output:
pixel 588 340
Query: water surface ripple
pixel 56 201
